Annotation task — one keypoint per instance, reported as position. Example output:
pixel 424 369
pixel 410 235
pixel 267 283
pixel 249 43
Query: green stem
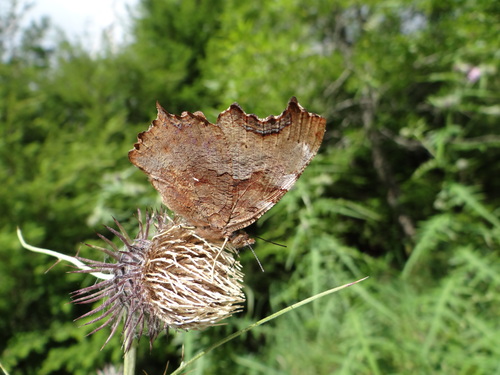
pixel 129 360
pixel 4 370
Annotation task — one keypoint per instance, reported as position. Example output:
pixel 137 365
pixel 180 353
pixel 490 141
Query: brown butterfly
pixel 222 177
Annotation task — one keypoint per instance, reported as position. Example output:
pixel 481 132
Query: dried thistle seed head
pixel 168 278
pixel 191 283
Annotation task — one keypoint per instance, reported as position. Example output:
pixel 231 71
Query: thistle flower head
pixel 166 277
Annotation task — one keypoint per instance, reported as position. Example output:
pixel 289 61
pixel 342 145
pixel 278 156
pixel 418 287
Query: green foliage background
pixel 405 188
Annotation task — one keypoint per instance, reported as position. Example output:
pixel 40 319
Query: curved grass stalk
pixel 261 322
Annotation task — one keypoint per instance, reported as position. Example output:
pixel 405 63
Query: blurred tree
pixel 170 42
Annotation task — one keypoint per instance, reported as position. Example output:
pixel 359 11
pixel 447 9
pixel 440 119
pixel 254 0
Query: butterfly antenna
pixel 274 243
pixel 256 258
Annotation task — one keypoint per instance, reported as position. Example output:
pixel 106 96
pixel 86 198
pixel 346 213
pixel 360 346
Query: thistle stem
pixel 129 359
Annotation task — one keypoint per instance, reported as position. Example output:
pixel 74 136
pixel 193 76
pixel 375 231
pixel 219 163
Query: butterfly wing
pixel 187 162
pixel 267 157
pixel 222 177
